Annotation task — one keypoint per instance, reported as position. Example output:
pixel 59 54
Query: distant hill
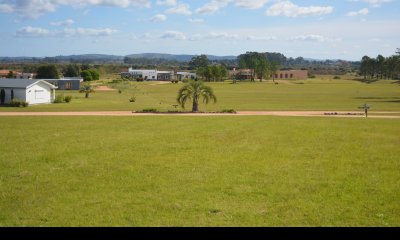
pixel 179 58
pixel 103 58
pixel 91 57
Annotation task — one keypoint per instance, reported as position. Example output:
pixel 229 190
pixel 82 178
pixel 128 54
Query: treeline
pixel 53 71
pixel 381 67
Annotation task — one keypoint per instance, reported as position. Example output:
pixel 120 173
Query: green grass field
pixel 315 94
pixel 208 171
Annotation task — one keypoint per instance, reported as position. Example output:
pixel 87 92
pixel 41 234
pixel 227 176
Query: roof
pixel 65 79
pixel 21 83
pixel 6 71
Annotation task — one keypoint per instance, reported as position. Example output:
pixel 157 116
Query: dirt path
pixel 159 83
pixel 104 88
pixel 242 113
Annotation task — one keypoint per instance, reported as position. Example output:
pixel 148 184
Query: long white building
pixel 149 75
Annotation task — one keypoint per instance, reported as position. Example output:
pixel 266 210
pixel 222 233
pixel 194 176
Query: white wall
pixel 39 93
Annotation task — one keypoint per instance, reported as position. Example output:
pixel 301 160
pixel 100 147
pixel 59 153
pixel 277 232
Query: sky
pixel 340 29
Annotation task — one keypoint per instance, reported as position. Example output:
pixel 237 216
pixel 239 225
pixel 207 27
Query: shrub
pixel 59 98
pixel 86 75
pixel 228 111
pixel 18 103
pixel 67 99
pixel 119 91
pixel 312 76
pixel 336 77
pixel 149 110
pixel 132 99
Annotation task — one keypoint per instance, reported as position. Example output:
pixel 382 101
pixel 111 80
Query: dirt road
pixel 241 113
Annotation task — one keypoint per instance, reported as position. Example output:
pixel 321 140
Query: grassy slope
pixel 326 95
pixel 185 171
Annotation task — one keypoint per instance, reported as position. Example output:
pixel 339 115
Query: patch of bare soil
pixel 104 88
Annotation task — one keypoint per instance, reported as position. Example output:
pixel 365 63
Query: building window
pixel 291 75
pixel 286 75
pixel 281 75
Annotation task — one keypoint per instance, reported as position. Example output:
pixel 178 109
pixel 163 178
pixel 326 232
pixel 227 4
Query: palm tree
pixel 87 89
pixel 193 91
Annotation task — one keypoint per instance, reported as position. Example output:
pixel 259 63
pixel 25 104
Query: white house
pixel 186 75
pixel 31 91
pixel 145 74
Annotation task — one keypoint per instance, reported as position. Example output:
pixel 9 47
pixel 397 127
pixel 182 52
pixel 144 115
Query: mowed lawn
pixel 316 94
pixel 199 171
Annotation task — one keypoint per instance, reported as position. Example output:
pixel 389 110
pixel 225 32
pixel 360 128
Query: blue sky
pixel 341 29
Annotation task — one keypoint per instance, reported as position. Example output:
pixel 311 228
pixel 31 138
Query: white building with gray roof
pixel 31 91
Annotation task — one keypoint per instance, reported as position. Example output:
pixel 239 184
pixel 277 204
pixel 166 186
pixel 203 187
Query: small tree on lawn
pixel 87 89
pixel 194 90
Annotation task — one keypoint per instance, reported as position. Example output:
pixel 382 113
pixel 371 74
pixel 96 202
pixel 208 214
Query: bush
pixel 312 76
pixel 18 103
pixel 149 110
pixel 24 104
pixel 68 99
pixel 59 98
pixel 336 77
pixel 119 91
pixel 87 76
pixel 228 111
pixel 132 99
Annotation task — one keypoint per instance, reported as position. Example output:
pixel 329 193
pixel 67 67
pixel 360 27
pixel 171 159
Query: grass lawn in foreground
pixel 199 171
pixel 316 94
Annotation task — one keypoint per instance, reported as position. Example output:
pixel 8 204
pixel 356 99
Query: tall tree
pixel 274 67
pixel 194 90
pixel 199 61
pixel 365 66
pixel 380 66
pixel 48 72
pixel 257 62
pixel 72 70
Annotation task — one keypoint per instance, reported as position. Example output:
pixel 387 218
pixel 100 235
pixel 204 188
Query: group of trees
pixel 381 67
pixel 259 64
pixel 212 73
pixel 51 71
pixel 207 71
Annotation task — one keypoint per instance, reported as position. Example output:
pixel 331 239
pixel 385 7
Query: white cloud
pixel 314 38
pixel 166 3
pixel 173 35
pixel 6 8
pixel 363 11
pixel 373 3
pixel 215 35
pixel 67 22
pixel 159 18
pixel 36 8
pixel 289 9
pixel 86 32
pixel 222 35
pixel 255 38
pixel 182 8
pixel 196 20
pixel 251 4
pixel 212 7
pixel 67 32
pixel 32 32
